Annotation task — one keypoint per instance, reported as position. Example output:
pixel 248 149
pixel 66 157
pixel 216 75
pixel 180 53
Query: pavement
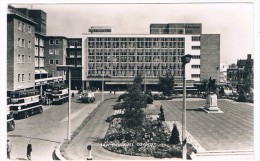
pixel 227 135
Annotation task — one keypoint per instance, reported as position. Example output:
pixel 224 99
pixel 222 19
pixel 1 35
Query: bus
pixel 25 103
pixel 10 118
pixel 59 93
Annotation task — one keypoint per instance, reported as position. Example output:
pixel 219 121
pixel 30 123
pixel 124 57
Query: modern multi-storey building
pixel 117 59
pixel 74 57
pixel 20 50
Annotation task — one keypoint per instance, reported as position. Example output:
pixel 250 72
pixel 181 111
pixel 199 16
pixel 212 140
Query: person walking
pixel 29 150
pixel 9 149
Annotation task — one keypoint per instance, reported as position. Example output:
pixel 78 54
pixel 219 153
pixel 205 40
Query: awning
pixel 41 71
pixel 37 72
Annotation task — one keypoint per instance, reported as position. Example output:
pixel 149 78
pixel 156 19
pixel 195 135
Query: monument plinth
pixel 211 105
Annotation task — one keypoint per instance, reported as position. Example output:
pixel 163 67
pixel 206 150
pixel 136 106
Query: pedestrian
pixel 72 95
pixel 29 150
pixel 9 149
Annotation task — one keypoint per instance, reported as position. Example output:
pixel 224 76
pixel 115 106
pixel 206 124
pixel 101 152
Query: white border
pixel 3 51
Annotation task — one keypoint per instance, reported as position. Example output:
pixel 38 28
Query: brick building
pixel 20 50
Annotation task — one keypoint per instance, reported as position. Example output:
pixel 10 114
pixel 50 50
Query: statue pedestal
pixel 211 105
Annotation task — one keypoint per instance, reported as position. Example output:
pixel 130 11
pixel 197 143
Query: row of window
pixel 24 27
pixel 41 41
pixel 21 77
pixel 195 75
pixel 195 57
pixel 21 58
pixel 195 47
pixel 21 43
pixel 41 51
pixel 54 41
pixel 195 66
pixel 74 43
pixel 133 39
pixel 195 38
pixel 52 61
pixel 54 51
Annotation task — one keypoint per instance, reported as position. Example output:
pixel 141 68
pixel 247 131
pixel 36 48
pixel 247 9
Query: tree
pixel 138 80
pixel 166 84
pixel 174 139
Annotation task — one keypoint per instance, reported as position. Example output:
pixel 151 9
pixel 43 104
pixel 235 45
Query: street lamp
pixel 185 60
pixel 68 69
pixel 103 84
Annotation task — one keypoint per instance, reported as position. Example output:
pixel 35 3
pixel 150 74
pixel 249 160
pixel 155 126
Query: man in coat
pixel 9 149
pixel 29 150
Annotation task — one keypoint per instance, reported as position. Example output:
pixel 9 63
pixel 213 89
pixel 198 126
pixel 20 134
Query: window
pixel 36 41
pixel 19 40
pixel 56 42
pixel 19 58
pixel 29 59
pixel 19 77
pixel 57 61
pixel 23 78
pixel 29 29
pixel 50 51
pixel 29 77
pixel 19 26
pixel 23 59
pixel 29 44
pixel 195 38
pixel 195 47
pixel 51 61
pixel 23 27
pixel 51 42
pixel 23 43
pixel 56 51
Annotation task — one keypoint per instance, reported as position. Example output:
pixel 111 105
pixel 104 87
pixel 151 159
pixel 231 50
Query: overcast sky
pixel 233 21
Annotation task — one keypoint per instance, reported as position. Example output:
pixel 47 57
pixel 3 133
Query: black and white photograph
pixel 128 80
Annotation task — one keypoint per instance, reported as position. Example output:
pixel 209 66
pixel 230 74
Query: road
pixel 47 130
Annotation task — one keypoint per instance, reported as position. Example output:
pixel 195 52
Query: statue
pixel 212 85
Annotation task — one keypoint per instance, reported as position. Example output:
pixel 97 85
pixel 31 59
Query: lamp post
pixel 68 69
pixel 103 84
pixel 184 59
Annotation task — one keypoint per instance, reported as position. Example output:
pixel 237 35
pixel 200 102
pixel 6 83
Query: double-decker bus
pixel 25 103
pixel 10 118
pixel 59 93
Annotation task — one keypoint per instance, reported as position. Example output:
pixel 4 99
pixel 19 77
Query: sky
pixel 233 21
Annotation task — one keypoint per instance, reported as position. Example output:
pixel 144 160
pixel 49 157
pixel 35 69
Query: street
pixel 47 130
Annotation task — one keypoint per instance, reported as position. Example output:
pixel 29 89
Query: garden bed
pixel 152 140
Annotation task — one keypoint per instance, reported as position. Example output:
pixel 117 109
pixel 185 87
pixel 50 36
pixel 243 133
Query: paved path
pixel 231 130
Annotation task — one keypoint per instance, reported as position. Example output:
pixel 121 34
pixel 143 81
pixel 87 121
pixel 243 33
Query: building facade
pixel 55 54
pixel 117 59
pixel 20 50
pixel 74 57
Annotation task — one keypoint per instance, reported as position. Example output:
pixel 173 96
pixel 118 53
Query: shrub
pixel 156 96
pixel 118 106
pixel 149 99
pixel 242 98
pixel 109 119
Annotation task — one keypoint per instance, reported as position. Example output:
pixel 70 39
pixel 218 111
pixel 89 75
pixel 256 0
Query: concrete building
pixel 117 59
pixel 20 50
pixel 74 57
